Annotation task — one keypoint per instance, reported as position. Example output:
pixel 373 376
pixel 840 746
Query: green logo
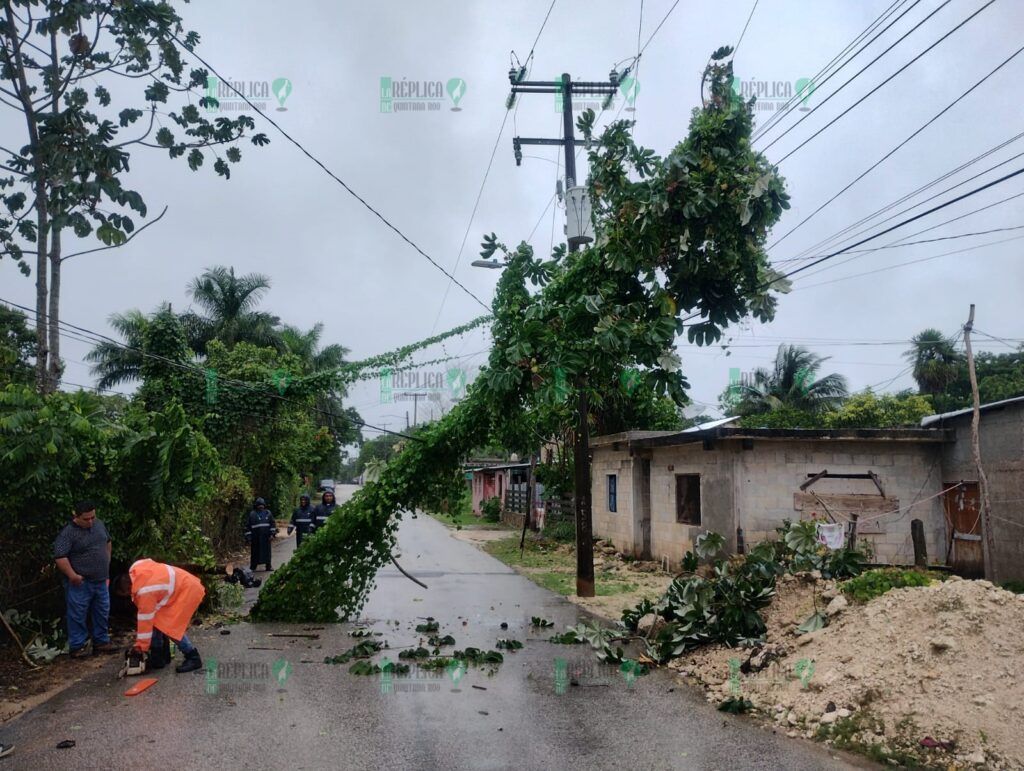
pixel 386 103
pixel 281 379
pixel 212 680
pixel 386 386
pixel 387 676
pixel 457 382
pixel 211 386
pixel 630 87
pixel 456 88
pixel 804 88
pixel 804 669
pixel 282 670
pixel 456 669
pixel 211 93
pixel 734 676
pixel 631 669
pixel 630 379
pixel 282 88
pixel 561 386
pixel 561 676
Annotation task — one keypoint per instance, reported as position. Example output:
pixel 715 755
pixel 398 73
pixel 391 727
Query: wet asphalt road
pixel 317 715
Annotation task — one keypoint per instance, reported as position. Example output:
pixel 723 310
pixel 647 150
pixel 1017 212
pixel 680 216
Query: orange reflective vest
pixel 166 598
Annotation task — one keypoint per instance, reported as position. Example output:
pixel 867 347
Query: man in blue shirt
pixel 82 553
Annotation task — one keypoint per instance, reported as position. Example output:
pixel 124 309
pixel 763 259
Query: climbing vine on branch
pixel 683 234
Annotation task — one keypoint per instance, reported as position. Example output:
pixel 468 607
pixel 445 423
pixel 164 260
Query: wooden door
pixel 963 517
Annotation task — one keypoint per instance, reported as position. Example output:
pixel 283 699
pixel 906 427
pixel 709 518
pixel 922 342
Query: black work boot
pixel 191 663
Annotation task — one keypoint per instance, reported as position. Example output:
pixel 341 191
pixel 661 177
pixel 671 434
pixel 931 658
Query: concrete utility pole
pixel 987 540
pixel 581 444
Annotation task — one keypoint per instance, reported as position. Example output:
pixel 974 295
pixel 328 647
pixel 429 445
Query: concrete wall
pixel 1001 433
pixel 617 526
pixel 755 489
pixel 768 476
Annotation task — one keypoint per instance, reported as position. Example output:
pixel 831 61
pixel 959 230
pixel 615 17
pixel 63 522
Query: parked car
pixel 325 484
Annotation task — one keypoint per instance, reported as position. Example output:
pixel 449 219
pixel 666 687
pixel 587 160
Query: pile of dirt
pixel 925 675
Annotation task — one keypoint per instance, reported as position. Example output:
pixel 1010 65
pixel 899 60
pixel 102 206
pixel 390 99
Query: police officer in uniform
pixel 302 520
pixel 259 528
pixel 324 510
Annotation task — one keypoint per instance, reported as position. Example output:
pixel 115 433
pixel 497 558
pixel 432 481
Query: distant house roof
pixel 698 434
pixel 634 436
pixel 501 467
pixel 932 419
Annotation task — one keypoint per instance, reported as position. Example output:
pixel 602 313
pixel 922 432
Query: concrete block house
pixel 654 492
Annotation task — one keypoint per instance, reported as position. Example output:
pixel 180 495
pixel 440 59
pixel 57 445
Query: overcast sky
pixel 331 260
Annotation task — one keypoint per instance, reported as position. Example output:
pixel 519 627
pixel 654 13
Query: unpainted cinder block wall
pixel 615 526
pixel 768 475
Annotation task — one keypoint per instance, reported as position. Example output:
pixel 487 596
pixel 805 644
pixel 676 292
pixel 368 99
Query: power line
pixel 656 29
pixel 821 244
pixel 794 100
pixel 889 154
pixel 330 173
pixel 487 172
pixel 909 262
pixel 826 257
pixel 906 221
pixel 876 89
pixel 885 82
pixel 744 32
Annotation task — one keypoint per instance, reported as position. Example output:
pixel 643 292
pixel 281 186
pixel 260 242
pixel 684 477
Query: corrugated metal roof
pixel 711 424
pixel 927 421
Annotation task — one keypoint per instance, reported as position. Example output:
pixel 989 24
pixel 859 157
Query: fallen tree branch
pixel 402 571
pixel 17 640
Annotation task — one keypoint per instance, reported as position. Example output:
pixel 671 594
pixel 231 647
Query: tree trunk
pixel 42 306
pixel 56 367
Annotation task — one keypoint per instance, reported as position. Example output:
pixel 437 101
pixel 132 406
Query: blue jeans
pixel 89 601
pixel 184 644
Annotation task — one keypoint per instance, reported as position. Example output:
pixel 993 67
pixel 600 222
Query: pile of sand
pixel 941 661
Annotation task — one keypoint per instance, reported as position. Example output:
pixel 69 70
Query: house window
pixel 688 499
pixel 613 492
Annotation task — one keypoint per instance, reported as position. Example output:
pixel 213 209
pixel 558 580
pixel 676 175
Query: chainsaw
pixel 134 663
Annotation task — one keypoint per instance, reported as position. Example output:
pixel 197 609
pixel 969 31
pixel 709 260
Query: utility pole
pixel 407 420
pixel 575 196
pixel 415 405
pixel 987 540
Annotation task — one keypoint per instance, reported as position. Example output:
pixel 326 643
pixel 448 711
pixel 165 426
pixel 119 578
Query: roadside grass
pixel 466 519
pixel 553 567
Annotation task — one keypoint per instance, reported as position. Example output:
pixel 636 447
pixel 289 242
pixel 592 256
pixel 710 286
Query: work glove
pixel 273 533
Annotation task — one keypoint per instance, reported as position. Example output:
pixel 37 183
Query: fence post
pixel 920 548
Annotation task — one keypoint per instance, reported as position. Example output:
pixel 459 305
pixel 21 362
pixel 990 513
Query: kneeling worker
pixel 166 598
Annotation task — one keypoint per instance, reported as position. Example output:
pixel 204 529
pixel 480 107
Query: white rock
pixel 791 718
pixel 977 758
pixel 829 717
pixel 649 624
pixel 837 606
pixel 843 712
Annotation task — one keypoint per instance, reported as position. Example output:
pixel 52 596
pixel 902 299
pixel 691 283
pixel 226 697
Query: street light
pixel 487 264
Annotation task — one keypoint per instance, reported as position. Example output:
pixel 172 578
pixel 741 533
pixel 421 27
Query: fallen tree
pixel 683 234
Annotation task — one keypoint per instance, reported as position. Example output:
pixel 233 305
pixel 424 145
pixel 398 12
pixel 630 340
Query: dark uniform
pixel 302 520
pixel 324 510
pixel 259 527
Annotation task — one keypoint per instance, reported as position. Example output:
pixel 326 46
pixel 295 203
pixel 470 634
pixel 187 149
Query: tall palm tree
pixel 792 382
pixel 341 421
pixel 306 345
pixel 230 304
pixel 114 364
pixel 936 362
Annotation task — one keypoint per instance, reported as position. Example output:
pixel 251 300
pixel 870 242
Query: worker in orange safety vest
pixel 166 598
